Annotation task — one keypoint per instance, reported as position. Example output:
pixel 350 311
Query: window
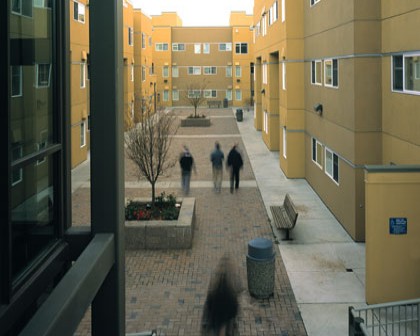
pixel 210 70
pixel 317 152
pixel 132 72
pixel 42 144
pixel 194 93
pixel 316 72
pixel 265 122
pixel 130 36
pixel 284 142
pixel 17 174
pixel 229 71
pixel 241 48
pixel 161 46
pixel 22 7
pixel 210 94
pixel 229 94
pixel 197 48
pixel 238 71
pixel 225 46
pixel 175 72
pixel 152 69
pixel 82 134
pixel 406 73
pixel 206 48
pixel 143 40
pixel 331 72
pixel 42 75
pixel 82 75
pixel 175 95
pixel 264 25
pixel 283 75
pixel 273 13
pixel 283 10
pixel 178 47
pixel 165 95
pixel 313 2
pixel 238 94
pixel 143 73
pixel 16 80
pixel 165 71
pixel 264 73
pixel 79 12
pixel 43 3
pixel 194 70
pixel 331 164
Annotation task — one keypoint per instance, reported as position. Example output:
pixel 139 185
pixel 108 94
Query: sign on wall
pixel 397 225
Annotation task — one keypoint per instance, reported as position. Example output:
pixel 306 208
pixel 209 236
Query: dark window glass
pixel 335 167
pixel 313 149
pixel 313 72
pixel 397 65
pixel 335 72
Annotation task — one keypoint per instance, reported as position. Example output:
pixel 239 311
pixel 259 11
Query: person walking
pixel 234 163
pixel 186 161
pixel 216 157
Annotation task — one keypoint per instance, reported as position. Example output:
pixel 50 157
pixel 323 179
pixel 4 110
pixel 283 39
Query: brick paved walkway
pixel 166 290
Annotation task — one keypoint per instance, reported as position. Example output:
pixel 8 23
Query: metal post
pixel 107 157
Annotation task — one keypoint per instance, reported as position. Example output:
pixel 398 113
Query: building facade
pixel 336 90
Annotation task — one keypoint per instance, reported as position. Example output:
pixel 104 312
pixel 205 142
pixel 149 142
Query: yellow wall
pixel 392 261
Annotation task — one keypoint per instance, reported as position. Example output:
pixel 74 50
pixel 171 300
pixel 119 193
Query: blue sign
pixel 398 225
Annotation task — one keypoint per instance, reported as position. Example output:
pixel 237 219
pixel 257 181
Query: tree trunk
pixel 195 111
pixel 153 193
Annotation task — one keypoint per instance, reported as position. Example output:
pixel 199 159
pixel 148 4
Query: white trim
pixel 284 142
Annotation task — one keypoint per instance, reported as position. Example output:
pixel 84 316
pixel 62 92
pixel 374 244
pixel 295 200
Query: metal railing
pixel 389 319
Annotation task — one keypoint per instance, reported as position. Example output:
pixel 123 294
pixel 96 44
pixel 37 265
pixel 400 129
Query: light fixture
pixel 318 108
pixel 263 91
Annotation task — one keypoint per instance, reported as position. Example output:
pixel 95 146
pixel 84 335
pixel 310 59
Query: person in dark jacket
pixel 216 157
pixel 186 161
pixel 234 163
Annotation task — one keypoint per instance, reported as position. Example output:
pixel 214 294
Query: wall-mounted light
pixel 318 108
pixel 263 91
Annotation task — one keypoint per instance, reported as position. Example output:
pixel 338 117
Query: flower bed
pixel 162 234
pixel 165 208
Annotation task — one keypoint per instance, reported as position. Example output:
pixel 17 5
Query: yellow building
pixel 128 56
pixel 335 90
pixel 79 81
pixel 215 60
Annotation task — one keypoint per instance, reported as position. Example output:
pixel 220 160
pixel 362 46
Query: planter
pixel 195 122
pixel 163 234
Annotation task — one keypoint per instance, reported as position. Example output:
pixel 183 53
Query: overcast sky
pixel 196 12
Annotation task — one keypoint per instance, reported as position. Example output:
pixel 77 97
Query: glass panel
pixel 328 73
pixel 31 131
pixel 412 80
pixel 32 202
pixel 397 73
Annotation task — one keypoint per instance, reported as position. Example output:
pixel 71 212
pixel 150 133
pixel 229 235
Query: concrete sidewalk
pixel 325 266
pixel 166 289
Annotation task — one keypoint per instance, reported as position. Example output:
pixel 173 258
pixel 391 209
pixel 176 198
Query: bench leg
pixel 287 235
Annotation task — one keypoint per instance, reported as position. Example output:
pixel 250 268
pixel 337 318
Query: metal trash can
pixel 239 114
pixel 225 102
pixel 260 263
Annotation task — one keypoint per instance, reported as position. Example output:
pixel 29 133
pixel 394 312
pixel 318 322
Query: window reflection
pixel 33 220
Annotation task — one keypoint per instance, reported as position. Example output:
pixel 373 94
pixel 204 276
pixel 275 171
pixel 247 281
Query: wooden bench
pixel 214 103
pixel 285 216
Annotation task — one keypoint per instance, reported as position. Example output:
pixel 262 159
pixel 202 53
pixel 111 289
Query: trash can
pixel 260 263
pixel 225 102
pixel 239 114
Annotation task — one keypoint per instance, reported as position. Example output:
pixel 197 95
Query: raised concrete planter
pixel 195 122
pixel 156 235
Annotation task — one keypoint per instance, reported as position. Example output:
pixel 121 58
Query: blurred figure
pixel 234 163
pixel 216 157
pixel 221 306
pixel 186 161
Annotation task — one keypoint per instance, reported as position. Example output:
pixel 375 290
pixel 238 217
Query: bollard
pixel 260 263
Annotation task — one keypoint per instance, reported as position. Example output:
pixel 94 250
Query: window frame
pixel 229 71
pixel 175 71
pixel 227 46
pixel 334 79
pixel 161 46
pixel 79 16
pixel 316 152
pixel 403 73
pixel 82 134
pixel 20 94
pixel 241 48
pixel 165 71
pixel 21 9
pixel 165 95
pixel 284 142
pixel 37 75
pixel 197 48
pixel 314 79
pixel 238 93
pixel 330 170
pixel 210 93
pixel 238 71
pixel 283 76
pixel 130 36
pixel 176 47
pixel 175 95
pixel 82 75
pixel 132 72
pixel 143 73
pixel 208 70
pixel 143 40
pixel 194 72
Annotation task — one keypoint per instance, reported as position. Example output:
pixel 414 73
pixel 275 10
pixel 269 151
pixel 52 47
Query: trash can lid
pixel 260 248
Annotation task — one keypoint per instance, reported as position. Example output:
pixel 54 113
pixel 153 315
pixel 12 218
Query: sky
pixel 196 12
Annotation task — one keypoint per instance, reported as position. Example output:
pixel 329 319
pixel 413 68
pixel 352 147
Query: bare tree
pixel 147 145
pixel 195 95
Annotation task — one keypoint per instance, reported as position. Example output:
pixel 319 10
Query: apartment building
pixel 216 61
pixel 335 90
pixel 79 81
